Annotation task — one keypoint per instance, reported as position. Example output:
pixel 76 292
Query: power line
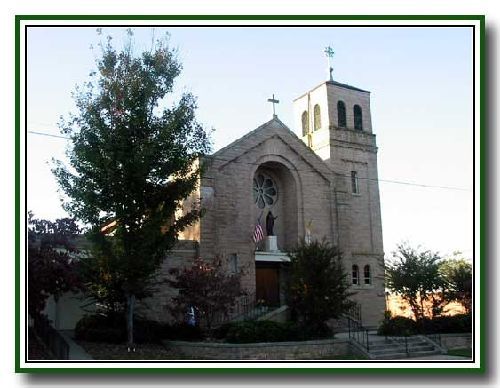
pixel 343 175
pixel 49 135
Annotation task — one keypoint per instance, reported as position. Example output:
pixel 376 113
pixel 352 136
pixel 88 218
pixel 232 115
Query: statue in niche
pixel 308 228
pixel 270 223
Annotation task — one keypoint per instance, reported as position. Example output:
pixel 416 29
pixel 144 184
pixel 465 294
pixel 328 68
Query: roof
pixel 286 135
pixel 334 83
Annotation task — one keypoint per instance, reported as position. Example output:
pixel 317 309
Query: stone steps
pixel 390 348
pixel 403 355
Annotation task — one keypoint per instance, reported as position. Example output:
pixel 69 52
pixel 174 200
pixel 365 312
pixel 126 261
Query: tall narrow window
pixel 358 118
pixel 367 275
pixel 317 117
pixel 305 123
pixel 355 274
pixel 341 114
pixel 233 262
pixel 354 182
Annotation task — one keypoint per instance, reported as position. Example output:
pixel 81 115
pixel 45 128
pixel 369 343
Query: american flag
pixel 258 234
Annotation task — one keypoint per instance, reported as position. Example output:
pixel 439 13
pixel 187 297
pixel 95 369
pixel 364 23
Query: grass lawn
pixel 104 351
pixel 463 352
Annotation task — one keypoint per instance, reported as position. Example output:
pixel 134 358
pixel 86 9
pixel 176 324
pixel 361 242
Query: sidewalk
pixel 76 352
pixel 439 357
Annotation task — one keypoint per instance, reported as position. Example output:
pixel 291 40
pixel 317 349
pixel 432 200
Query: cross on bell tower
pixel 329 54
pixel 273 101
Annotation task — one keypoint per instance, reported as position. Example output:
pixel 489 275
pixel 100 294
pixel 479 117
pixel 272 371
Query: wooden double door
pixel 267 283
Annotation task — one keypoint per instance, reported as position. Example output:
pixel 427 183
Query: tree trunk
pixel 130 321
pixel 422 308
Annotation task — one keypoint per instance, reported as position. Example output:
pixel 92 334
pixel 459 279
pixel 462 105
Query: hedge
pixel 461 323
pixel 112 329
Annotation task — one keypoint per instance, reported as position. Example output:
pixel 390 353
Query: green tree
pixel 457 273
pixel 131 164
pixel 318 288
pixel 415 276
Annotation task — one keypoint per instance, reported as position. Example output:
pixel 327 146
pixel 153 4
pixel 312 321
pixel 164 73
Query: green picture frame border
pixel 483 197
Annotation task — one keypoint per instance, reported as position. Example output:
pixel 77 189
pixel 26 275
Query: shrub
pixel 398 326
pixel 242 332
pixel 101 328
pixel 183 332
pixel 112 329
pixel 221 331
pixel 318 288
pixel 146 331
pixel 268 331
pixel 208 287
pixel 461 323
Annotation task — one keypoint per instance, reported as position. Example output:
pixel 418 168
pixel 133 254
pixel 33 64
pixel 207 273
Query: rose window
pixel 264 191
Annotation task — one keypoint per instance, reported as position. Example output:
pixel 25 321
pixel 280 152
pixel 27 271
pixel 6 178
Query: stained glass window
pixel 265 192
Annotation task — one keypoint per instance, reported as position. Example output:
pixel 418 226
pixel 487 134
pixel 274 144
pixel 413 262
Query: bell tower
pixel 334 120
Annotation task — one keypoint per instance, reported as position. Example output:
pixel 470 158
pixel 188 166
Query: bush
pixel 318 289
pixel 112 329
pixel 268 331
pixel 398 326
pixel 183 332
pixel 461 323
pixel 146 331
pixel 101 328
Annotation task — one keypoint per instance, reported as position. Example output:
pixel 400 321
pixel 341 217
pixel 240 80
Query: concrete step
pixel 398 344
pixel 402 349
pixel 403 355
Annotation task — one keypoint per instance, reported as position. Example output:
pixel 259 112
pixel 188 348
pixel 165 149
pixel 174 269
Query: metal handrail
pixel 246 307
pixel 397 339
pixel 358 333
pixel 434 337
pixel 354 312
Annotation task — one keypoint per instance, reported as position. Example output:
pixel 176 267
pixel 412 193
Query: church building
pixel 319 183
pixel 274 187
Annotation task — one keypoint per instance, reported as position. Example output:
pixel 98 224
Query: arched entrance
pixel 274 191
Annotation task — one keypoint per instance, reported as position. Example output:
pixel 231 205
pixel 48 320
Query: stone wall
pixel 157 307
pixel 310 350
pixel 456 341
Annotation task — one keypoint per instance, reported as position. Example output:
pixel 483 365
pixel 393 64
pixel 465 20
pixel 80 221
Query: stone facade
pixel 307 182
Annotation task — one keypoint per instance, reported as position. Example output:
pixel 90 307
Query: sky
pixel 421 103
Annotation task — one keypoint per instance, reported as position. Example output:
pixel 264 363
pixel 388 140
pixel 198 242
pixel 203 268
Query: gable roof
pixel 273 128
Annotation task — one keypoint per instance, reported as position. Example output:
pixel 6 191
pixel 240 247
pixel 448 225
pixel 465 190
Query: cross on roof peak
pixel 273 101
pixel 329 54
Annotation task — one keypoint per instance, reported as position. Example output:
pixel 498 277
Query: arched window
pixel 305 123
pixel 358 118
pixel 341 114
pixel 367 275
pixel 317 117
pixel 355 274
